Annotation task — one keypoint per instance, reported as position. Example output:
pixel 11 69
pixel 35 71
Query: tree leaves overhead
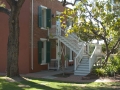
pixel 2 4
pixel 98 20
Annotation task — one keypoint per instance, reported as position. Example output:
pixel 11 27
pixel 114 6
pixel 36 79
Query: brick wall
pixel 54 5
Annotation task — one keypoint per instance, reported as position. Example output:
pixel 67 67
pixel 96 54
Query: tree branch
pixel 115 46
pixel 66 3
pixel 20 3
pixel 10 2
pixel 4 10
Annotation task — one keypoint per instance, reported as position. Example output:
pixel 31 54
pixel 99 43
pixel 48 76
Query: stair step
pixel 83 69
pixel 81 66
pixel 81 73
pixel 84 64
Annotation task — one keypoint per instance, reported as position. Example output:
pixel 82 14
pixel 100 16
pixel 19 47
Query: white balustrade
pixel 79 57
pixel 93 58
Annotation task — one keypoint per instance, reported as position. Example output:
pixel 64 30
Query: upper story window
pixel 69 22
pixel 44 17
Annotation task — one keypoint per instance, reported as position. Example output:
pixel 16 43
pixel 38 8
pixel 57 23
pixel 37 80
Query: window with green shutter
pixel 40 45
pixel 48 18
pixel 48 49
pixel 44 17
pixel 44 48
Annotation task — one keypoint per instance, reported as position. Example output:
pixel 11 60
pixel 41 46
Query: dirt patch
pixel 14 79
pixel 90 76
pixel 64 76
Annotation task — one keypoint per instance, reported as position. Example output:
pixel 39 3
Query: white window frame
pixel 44 8
pixel 44 43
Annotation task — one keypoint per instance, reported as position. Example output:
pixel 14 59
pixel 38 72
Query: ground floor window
pixel 44 52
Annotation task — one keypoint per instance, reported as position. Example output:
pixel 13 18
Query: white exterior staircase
pixel 83 63
pixel 83 67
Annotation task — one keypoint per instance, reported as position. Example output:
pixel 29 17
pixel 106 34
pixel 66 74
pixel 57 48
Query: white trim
pixel 43 28
pixel 43 64
pixel 58 13
pixel 43 39
pixel 65 60
pixel 44 53
pixel 70 54
pixel 43 6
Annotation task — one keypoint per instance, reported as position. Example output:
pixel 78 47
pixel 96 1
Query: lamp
pixel 53 15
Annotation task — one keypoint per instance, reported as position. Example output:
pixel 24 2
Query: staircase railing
pixel 93 57
pixel 71 35
pixel 79 56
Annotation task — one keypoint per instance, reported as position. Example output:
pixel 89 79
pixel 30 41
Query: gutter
pixel 32 36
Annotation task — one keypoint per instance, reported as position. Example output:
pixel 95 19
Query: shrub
pixel 100 72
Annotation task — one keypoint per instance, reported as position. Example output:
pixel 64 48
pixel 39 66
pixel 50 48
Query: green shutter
pixel 40 43
pixel 40 16
pixel 48 56
pixel 48 18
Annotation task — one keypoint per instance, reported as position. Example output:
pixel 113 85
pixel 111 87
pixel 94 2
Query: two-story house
pixel 37 19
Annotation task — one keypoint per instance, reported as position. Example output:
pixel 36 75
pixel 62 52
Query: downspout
pixel 32 37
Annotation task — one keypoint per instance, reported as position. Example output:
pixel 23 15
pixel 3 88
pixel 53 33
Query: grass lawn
pixel 45 84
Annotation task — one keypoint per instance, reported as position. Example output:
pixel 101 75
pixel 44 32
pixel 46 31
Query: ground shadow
pixel 22 84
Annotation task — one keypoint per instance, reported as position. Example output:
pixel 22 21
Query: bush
pixel 100 72
pixel 111 68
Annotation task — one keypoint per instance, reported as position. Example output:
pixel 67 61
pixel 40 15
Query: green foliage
pixel 2 4
pixel 111 68
pixel 91 48
pixel 97 20
pixel 100 72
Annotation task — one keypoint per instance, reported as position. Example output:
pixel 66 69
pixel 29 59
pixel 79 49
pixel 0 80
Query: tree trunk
pixel 107 56
pixel 13 39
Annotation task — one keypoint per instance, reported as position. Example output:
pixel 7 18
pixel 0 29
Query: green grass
pixel 45 84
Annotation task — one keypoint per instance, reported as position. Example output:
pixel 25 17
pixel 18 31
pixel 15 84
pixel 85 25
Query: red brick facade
pixel 25 35
pixel 40 33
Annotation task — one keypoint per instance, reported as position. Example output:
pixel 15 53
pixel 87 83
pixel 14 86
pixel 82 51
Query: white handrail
pixel 79 56
pixel 71 35
pixel 93 57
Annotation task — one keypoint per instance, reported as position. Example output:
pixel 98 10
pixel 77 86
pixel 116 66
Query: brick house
pixel 36 49
pixel 42 41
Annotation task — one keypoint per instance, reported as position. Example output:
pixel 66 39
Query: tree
pixel 97 20
pixel 13 38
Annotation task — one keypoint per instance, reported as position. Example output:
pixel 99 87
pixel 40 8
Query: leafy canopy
pixel 94 21
pixel 2 4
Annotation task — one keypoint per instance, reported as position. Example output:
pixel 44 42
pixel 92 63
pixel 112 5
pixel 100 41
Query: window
pixel 43 51
pixel 44 17
pixel 69 22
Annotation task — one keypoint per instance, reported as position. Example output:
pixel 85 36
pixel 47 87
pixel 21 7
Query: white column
pixel 58 50
pixel 65 60
pixel 70 54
